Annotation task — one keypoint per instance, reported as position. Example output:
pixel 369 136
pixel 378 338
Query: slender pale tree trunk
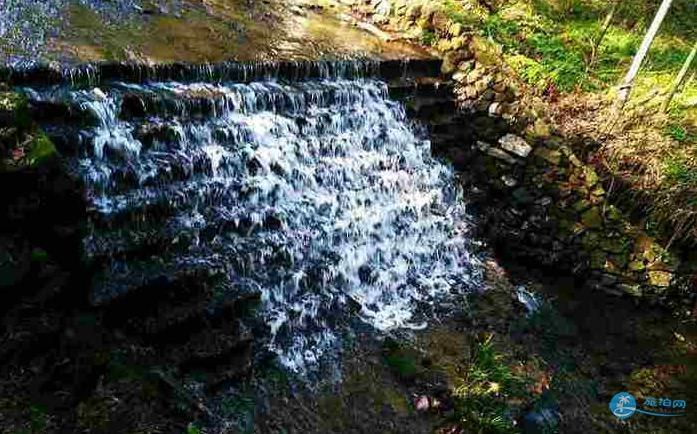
pixel 628 82
pixel 680 79
pixel 603 31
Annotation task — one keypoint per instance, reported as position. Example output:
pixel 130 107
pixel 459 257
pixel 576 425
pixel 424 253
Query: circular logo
pixel 623 405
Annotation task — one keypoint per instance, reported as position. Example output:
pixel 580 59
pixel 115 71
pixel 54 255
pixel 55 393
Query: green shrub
pixel 404 365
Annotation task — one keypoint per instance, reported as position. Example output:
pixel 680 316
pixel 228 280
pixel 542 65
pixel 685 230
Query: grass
pixel 480 398
pixel 680 172
pixel 558 47
pixel 428 37
pixel 680 133
pixel 456 12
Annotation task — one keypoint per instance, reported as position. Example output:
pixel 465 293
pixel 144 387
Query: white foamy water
pixel 320 194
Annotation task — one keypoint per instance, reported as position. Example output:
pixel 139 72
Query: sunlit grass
pixel 558 39
pixel 480 394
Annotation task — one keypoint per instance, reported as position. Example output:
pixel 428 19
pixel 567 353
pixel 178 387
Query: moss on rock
pixel 22 144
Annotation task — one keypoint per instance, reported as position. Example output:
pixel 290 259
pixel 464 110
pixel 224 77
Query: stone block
pixel 515 145
pixel 501 155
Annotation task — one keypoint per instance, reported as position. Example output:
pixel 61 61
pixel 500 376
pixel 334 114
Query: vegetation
pixel 480 395
pixel 22 144
pixel 573 54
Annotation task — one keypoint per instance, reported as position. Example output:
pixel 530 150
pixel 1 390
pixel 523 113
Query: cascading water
pixel 319 194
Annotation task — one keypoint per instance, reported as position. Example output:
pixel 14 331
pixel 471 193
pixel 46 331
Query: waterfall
pixel 316 192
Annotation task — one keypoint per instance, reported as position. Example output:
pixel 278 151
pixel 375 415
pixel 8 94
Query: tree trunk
pixel 628 82
pixel 603 31
pixel 680 78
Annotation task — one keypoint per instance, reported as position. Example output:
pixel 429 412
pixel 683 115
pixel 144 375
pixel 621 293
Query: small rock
pixel 383 8
pixel 611 268
pixel 97 92
pixel 515 145
pixel 421 403
pixel 451 61
pixel 509 181
pixel 481 85
pixel 440 21
pixel 544 201
pixel 473 75
pixel 499 87
pixel 634 290
pixel 501 155
pixel 528 299
pixel 574 160
pixel 483 146
pixel 459 76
